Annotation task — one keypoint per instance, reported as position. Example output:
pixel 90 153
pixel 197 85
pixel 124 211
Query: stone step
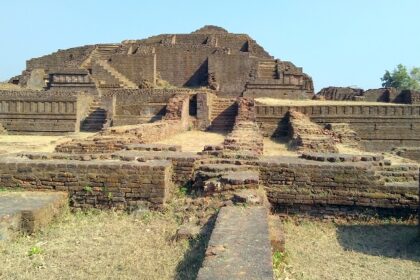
pixel 405 167
pixel 241 178
pixel 397 173
pixel 96 112
pixel 154 147
pixel 226 160
pixel 113 72
pixel 239 247
pixel 93 125
pixel 219 182
pixel 28 212
pixel 224 168
pixel 97 116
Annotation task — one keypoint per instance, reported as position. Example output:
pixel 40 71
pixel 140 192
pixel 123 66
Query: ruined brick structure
pixel 142 91
pixel 387 95
pixel 34 112
pixel 232 64
pixel 379 127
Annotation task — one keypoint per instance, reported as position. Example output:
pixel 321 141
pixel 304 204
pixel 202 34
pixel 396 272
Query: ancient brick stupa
pixel 232 64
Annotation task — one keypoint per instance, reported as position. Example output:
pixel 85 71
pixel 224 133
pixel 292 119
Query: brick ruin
pixel 232 64
pixel 139 92
pixel 386 95
pixel 122 166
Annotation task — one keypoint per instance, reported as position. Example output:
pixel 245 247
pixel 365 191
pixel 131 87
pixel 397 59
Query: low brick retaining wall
pixel 183 162
pixel 117 138
pixel 100 184
pixel 380 127
pixel 298 185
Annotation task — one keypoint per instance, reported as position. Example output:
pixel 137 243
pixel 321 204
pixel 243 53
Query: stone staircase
pixel 267 69
pixel 123 81
pixel 215 175
pixel 101 52
pixel 245 141
pixel 96 119
pixel 223 113
pixel 232 165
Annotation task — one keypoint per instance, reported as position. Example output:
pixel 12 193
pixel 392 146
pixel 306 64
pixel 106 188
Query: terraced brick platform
pixel 28 212
pixel 239 246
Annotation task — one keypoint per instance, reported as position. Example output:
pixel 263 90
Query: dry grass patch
pixel 324 250
pixel 277 147
pixel 103 245
pixel 344 149
pixel 289 102
pixel 194 141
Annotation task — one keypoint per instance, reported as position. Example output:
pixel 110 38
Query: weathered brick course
pixel 95 183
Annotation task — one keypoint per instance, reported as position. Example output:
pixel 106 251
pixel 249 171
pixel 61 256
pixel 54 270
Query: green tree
pixel 401 78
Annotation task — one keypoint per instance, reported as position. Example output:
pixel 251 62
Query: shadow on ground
pixel 193 258
pixel 392 241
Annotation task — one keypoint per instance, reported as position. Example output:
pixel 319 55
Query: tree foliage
pixel 401 78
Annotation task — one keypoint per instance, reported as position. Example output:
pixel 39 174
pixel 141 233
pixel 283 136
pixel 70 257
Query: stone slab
pixel 239 246
pixel 28 212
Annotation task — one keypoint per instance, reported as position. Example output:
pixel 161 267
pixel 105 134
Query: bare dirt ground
pixel 194 141
pixel 34 143
pixel 288 102
pixel 375 250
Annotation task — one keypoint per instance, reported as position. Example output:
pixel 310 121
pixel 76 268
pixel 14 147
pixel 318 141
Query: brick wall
pixel 408 152
pixel 332 188
pixel 381 95
pixel 340 93
pixel 137 68
pixel 230 71
pixel 117 138
pixel 70 58
pixel 183 65
pixel 100 184
pixel 39 112
pixel 135 106
pixel 380 127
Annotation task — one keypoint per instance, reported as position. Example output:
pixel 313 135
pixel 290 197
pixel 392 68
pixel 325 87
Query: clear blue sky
pixel 339 43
